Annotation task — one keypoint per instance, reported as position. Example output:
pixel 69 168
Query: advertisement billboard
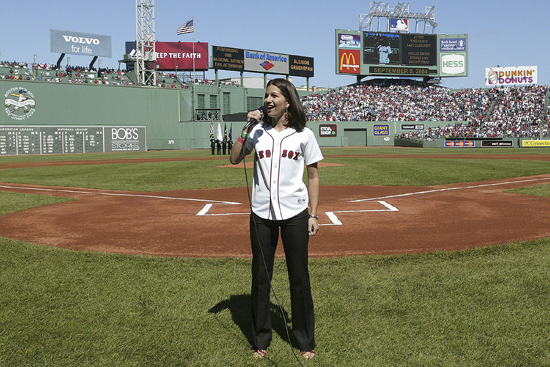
pixel 229 58
pixel 349 61
pixel 513 75
pixel 453 64
pixel 452 44
pixel 178 55
pixel 453 55
pixel 77 43
pixel 349 40
pixel 263 62
pixel 182 55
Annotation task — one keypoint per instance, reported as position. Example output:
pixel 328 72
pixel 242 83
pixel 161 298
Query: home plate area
pixel 363 207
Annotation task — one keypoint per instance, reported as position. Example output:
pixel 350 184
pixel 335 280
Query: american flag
pixel 211 129
pixel 186 27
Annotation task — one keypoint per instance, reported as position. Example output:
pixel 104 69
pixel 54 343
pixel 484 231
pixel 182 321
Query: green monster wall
pixel 167 113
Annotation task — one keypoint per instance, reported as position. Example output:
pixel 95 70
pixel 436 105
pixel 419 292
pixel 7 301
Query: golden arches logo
pixel 348 62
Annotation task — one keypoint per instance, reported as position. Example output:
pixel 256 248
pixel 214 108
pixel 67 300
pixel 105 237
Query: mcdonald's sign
pixel 349 61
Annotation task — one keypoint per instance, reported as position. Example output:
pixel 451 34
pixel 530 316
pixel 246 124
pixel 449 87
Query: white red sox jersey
pixel 279 191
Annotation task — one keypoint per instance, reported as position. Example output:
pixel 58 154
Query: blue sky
pixel 504 33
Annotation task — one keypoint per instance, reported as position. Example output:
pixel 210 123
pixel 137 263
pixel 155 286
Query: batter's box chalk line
pixel 207 207
pixel 335 221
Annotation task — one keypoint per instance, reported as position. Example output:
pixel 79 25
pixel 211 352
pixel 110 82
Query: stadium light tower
pixel 145 43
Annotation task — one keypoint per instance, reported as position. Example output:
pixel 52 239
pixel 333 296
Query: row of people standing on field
pixel 221 147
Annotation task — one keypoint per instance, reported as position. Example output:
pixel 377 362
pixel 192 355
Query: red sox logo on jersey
pixel 290 154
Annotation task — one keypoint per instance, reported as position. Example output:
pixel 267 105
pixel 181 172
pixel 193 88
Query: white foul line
pixel 448 189
pixel 118 194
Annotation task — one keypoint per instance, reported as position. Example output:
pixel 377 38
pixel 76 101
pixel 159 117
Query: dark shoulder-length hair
pixel 296 114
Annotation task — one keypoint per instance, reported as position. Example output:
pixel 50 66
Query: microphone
pixel 253 122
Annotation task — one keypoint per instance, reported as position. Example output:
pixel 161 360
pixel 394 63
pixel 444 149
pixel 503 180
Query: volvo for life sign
pixel 77 43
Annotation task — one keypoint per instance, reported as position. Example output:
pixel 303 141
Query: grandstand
pixel 480 113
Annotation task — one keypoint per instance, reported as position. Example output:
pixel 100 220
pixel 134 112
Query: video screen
pixel 381 48
pixel 399 49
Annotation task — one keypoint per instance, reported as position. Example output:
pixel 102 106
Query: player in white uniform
pixel 283 146
pixel 384 54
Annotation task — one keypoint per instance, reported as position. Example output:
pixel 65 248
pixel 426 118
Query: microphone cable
pixel 281 309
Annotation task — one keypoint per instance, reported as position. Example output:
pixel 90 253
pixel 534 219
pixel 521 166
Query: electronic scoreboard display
pixel 399 49
pixel 365 53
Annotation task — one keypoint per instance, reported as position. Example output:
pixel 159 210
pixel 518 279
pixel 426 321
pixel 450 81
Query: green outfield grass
pixel 482 307
pixel 198 174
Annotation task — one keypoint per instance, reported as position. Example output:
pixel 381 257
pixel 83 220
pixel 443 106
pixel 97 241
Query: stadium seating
pixel 494 112
pixel 471 112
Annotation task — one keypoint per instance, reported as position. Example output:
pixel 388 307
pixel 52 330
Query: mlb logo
pixel 400 25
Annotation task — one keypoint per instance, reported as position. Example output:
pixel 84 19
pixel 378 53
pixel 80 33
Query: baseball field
pixel 425 257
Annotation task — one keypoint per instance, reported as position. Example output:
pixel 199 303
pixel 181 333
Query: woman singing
pixel 283 145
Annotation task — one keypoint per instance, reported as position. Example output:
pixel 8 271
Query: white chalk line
pixel 333 217
pixel 206 208
pixel 336 222
pixel 449 189
pixel 117 194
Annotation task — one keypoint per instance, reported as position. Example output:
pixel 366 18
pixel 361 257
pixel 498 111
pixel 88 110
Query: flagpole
pixel 193 19
pixel 188 27
pixel 193 85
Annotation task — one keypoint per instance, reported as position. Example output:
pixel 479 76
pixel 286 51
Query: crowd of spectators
pixel 13 64
pixel 80 74
pixel 68 74
pixel 473 112
pixel 399 101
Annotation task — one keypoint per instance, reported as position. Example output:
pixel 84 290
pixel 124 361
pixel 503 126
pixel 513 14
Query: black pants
pixel 264 235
